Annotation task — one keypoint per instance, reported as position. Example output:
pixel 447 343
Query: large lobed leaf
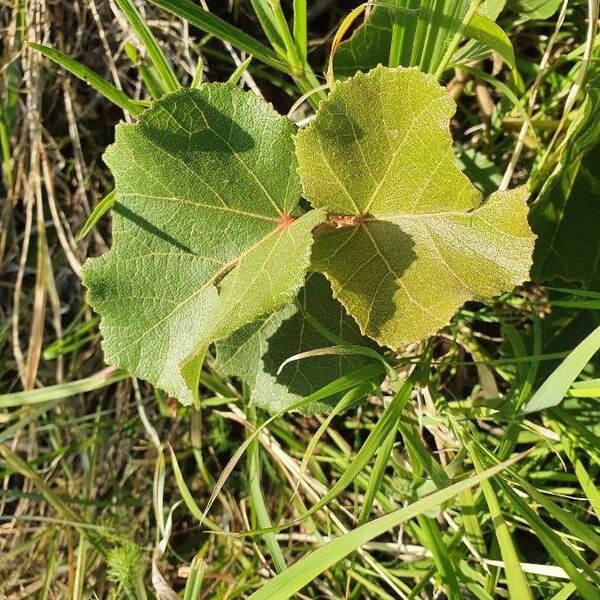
pixel 414 240
pixel 207 207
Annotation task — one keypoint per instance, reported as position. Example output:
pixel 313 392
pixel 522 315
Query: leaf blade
pixel 413 241
pixel 201 214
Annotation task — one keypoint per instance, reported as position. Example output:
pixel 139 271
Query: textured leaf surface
pixel 315 320
pixel 207 205
pixel 566 216
pixel 417 241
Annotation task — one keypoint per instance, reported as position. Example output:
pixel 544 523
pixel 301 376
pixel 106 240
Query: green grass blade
pixel 376 438
pixel 503 88
pixel 7 164
pixel 198 72
pixel 239 71
pixel 300 28
pixel 257 502
pixel 458 20
pixel 295 577
pixel 193 585
pixel 222 30
pixel 62 390
pixel 571 588
pixel 283 29
pixel 268 22
pixel 15 463
pixel 518 587
pixel 432 539
pixel 347 400
pixel 110 92
pixel 376 477
pixel 484 30
pixel 157 57
pixel 356 378
pixel 185 493
pixel 555 388
pixel 99 211
pixel 562 554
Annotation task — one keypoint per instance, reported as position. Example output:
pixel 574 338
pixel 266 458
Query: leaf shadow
pixel 319 322
pixel 199 127
pixel 149 227
pixel 180 127
pixel 366 264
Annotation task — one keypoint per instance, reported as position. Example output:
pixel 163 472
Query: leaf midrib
pixel 226 267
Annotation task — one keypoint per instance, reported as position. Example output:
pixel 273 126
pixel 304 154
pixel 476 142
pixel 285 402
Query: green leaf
pixel 413 33
pixel 484 30
pixel 568 206
pixel 99 211
pixel 110 92
pixel 222 30
pixel 168 79
pixel 534 9
pixel 555 388
pixel 403 32
pixel 413 241
pixel 203 216
pixel 316 320
pixel 369 45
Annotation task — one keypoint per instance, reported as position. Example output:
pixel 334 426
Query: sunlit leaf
pixel 207 204
pixel 413 241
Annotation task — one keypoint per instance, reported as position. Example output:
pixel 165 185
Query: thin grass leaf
pixel 186 495
pixel 484 30
pixel 555 388
pixel 339 350
pixel 504 89
pixel 222 30
pixel 518 587
pixel 563 555
pixel 198 72
pixel 347 400
pixel 235 77
pixel 61 391
pixel 257 501
pixel 458 31
pixel 148 73
pixel 109 91
pixel 585 389
pixel 268 22
pixel 432 539
pixel 388 420
pixel 386 423
pixel 193 585
pixel 341 384
pixel 571 588
pixel 157 57
pixel 586 480
pixel 376 477
pixel 16 464
pixel 300 28
pixel 310 566
pixel 99 211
